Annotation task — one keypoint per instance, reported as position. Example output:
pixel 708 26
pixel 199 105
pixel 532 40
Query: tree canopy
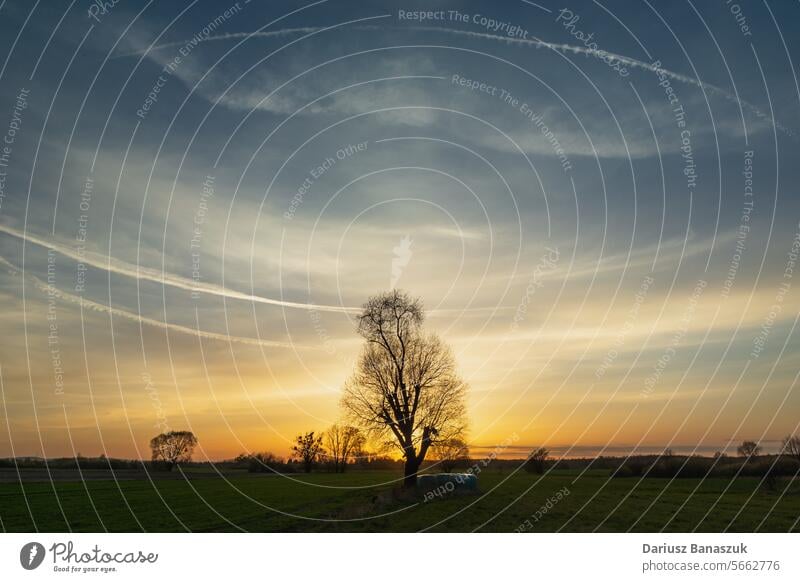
pixel 173 447
pixel 405 390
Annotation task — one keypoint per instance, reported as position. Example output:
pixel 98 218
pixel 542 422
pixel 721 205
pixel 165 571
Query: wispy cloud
pixel 100 307
pixel 629 61
pixel 653 68
pixel 118 267
pixel 146 50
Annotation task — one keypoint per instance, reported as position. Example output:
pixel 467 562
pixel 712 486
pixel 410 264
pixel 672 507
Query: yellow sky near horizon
pixel 578 377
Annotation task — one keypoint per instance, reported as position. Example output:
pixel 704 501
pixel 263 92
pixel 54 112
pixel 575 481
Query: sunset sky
pixel 195 200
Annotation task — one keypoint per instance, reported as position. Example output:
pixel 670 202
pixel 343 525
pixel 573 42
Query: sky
pixel 597 204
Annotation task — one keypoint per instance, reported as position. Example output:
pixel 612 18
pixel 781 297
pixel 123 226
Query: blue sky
pixel 246 174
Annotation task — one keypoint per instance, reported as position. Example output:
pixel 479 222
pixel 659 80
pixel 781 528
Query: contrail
pixel 221 37
pixel 94 306
pixel 145 273
pixel 631 62
pixel 536 43
pixel 118 267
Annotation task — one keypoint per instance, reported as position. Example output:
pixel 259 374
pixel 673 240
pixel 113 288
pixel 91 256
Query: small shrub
pixel 631 468
pixel 771 467
pixel 537 461
pixel 265 462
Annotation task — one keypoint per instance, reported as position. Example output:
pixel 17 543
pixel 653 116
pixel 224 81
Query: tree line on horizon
pixel 749 461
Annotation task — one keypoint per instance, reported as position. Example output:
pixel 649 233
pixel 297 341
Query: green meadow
pixel 362 502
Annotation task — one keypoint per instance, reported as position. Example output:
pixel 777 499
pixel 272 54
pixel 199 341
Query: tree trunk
pixel 410 473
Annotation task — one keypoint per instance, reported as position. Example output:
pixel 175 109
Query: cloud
pixel 668 252
pixel 654 68
pixel 99 307
pixel 147 50
pixel 118 267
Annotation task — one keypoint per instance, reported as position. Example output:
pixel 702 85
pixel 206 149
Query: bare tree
pixel 343 443
pixel 450 453
pixel 173 447
pixel 791 446
pixel 307 449
pixel 405 391
pixel 749 449
pixel 359 454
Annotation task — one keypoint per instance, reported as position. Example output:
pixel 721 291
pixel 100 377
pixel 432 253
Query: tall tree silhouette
pixel 308 448
pixel 405 390
pixel 343 443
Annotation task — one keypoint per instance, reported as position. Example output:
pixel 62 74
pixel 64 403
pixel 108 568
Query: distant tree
pixel 749 449
pixel 405 391
pixel 342 442
pixel 173 447
pixel 307 449
pixel 450 453
pixel 265 462
pixel 359 454
pixel 537 461
pixel 791 446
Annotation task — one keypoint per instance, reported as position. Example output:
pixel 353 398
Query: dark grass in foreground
pixel 354 501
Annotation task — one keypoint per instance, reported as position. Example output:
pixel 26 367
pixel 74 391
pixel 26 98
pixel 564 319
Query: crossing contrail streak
pixel 100 307
pixel 147 274
pixel 124 269
pixel 631 62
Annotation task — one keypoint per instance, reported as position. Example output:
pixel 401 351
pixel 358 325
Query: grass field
pixel 358 502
